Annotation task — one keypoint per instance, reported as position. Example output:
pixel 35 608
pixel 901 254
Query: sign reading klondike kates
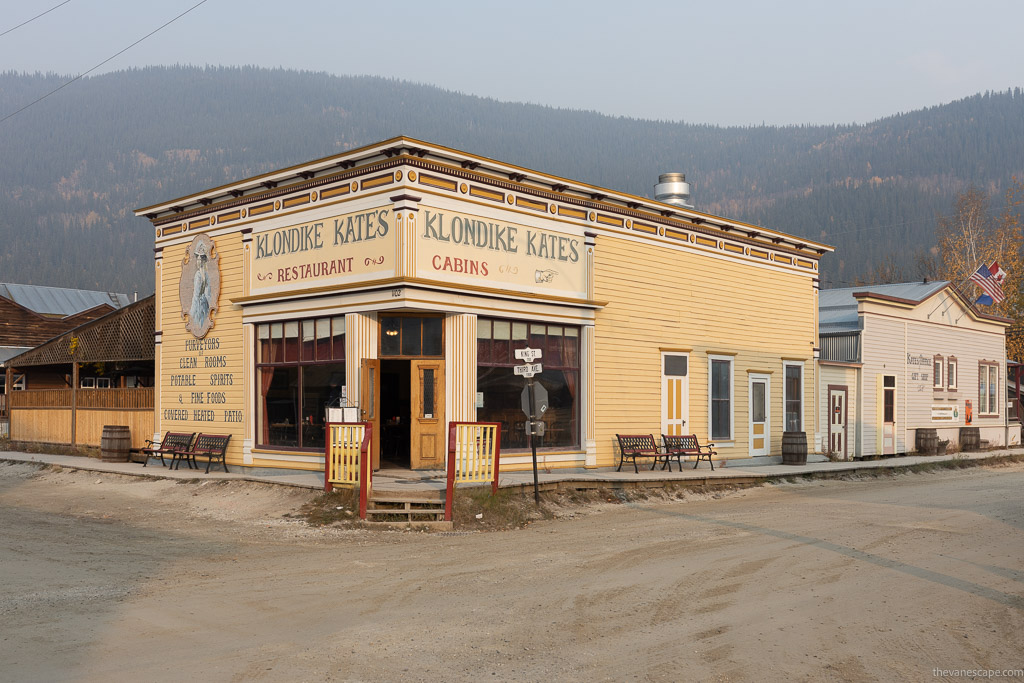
pixel 338 249
pixel 470 249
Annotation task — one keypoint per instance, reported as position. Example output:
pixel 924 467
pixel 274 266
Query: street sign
pixel 528 370
pixel 540 400
pixel 528 355
pixel 535 428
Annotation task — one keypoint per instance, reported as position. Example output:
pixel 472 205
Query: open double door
pixel 424 406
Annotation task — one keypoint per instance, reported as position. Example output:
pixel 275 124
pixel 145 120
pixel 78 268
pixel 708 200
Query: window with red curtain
pixel 300 370
pixel 500 389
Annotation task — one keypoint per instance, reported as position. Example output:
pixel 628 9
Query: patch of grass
pixel 507 509
pixel 49 448
pixel 338 506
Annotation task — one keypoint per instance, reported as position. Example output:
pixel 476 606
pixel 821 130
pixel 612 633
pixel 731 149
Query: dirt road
pixel 119 579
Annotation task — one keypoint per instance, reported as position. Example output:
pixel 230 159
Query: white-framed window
pixel 87 382
pixel 102 382
pixel 988 385
pixel 951 373
pixel 19 383
pixel 793 396
pixel 937 373
pixel 720 398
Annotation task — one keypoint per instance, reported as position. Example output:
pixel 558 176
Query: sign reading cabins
pixel 473 250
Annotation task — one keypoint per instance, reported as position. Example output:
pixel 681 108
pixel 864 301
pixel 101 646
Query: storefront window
pixel 411 336
pixel 300 366
pixel 500 390
pixel 720 379
pixel 794 397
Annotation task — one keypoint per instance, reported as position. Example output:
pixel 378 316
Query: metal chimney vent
pixel 672 188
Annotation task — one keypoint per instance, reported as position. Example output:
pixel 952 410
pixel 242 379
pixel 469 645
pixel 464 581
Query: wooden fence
pixel 347 462
pixel 45 415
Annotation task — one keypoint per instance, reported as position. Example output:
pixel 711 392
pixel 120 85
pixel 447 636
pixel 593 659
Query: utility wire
pixel 86 73
pixel 33 18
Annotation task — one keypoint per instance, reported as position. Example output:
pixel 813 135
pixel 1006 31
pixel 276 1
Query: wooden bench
pixel 688 445
pixel 635 446
pixel 172 441
pixel 210 446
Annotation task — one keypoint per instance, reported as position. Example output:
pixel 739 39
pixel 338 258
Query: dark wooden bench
pixel 210 446
pixel 688 445
pixel 172 441
pixel 633 446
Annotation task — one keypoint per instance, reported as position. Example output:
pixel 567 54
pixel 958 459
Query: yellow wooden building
pixel 398 279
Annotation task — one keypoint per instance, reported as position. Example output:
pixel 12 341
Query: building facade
pixel 903 357
pixel 399 279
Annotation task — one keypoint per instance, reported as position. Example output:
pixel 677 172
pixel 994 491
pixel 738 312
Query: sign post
pixel 535 402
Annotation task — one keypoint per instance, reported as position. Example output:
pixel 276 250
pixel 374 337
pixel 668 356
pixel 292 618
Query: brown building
pixel 96 374
pixel 31 315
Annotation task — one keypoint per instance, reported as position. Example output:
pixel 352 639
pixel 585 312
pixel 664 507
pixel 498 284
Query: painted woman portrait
pixel 199 287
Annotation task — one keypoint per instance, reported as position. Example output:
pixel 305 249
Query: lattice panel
pixel 124 335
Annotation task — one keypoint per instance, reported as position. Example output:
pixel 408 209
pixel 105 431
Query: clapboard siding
pixel 903 342
pixel 227 330
pixel 663 298
pixel 21 327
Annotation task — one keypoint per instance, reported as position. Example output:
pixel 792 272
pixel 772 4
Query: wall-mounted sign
pixel 481 251
pixel 326 251
pixel 199 286
pixel 945 413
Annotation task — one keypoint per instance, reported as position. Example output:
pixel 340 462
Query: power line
pixel 33 18
pixel 86 73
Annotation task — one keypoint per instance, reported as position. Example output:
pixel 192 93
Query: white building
pixel 902 357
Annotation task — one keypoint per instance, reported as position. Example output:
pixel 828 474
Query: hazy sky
pixel 726 63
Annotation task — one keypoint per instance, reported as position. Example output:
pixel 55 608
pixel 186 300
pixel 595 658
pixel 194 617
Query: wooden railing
pixel 120 399
pixel 474 453
pixel 347 459
pixel 140 398
pixel 41 398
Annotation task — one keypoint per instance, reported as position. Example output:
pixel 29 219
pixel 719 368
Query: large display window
pixel 499 390
pixel 300 370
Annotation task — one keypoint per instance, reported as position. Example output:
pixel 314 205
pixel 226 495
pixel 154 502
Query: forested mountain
pixel 74 166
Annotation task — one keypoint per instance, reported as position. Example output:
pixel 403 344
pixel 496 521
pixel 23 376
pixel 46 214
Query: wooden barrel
pixel 926 441
pixel 970 439
pixel 794 448
pixel 115 444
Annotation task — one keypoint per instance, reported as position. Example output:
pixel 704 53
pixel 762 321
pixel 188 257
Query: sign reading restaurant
pixel 337 249
pixel 451 246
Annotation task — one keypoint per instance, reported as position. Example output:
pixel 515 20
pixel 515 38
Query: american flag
pixel 991 282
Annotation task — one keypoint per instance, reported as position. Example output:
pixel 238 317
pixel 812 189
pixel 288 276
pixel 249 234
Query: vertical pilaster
pixel 158 317
pixel 460 367
pixel 405 208
pixel 248 390
pixel 590 240
pixel 248 357
pixel 587 399
pixel 361 330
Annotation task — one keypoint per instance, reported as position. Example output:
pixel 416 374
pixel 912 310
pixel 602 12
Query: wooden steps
pixel 416 509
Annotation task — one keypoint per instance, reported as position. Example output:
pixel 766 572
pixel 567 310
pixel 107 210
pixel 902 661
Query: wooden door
pixel 427 431
pixel 889 412
pixel 675 393
pixel 837 421
pixel 369 403
pixel 760 415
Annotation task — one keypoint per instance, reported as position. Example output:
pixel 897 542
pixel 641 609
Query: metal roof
pixel 837 309
pixel 58 301
pixel 8 352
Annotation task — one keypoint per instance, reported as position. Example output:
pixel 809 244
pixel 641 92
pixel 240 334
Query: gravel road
pixel 109 578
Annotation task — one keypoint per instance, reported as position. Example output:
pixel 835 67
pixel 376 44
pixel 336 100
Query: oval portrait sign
pixel 199 287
